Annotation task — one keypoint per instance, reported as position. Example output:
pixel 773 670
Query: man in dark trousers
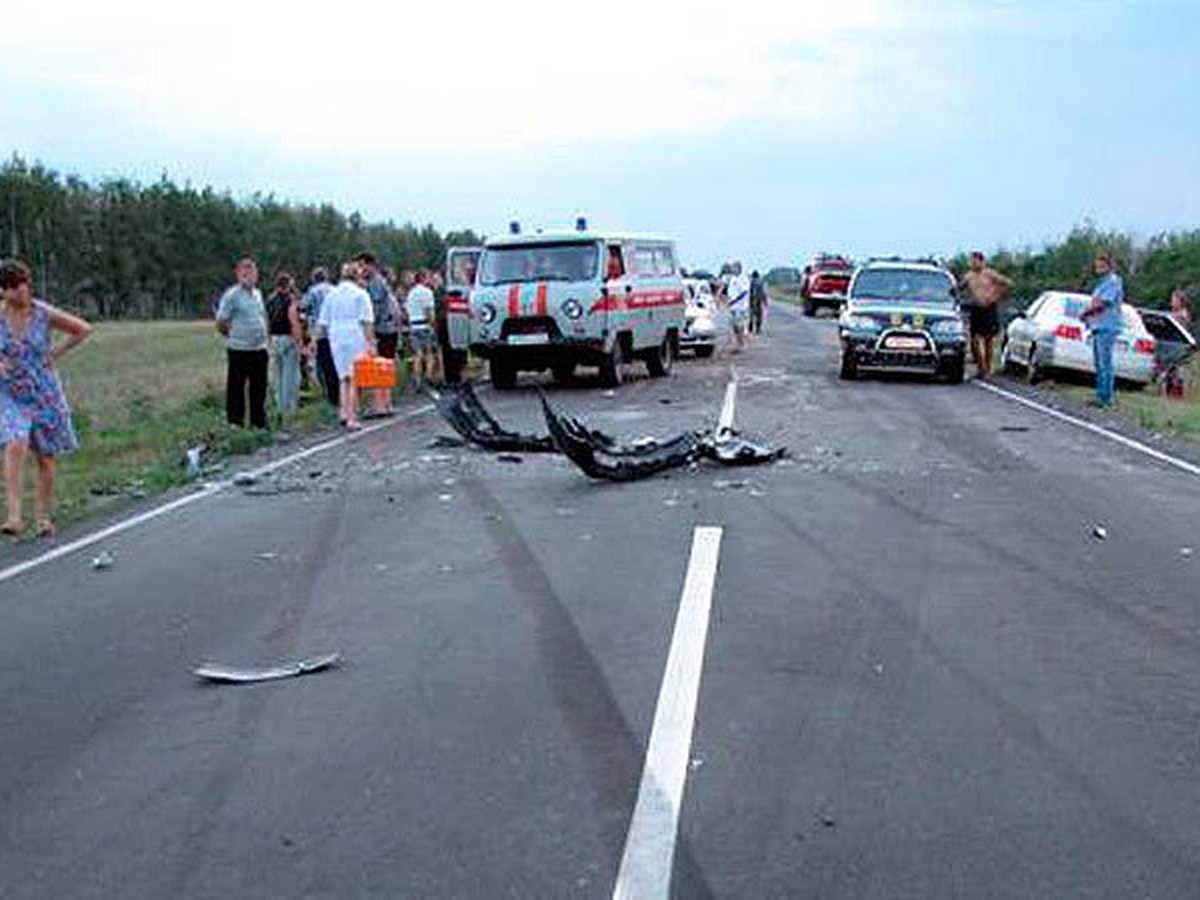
pixel 758 302
pixel 242 320
pixel 318 287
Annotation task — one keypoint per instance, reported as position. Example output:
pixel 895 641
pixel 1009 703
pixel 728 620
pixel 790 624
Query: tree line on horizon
pixel 1151 269
pixel 118 249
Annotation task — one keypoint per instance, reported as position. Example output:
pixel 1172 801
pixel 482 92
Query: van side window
pixel 643 261
pixel 615 265
pixel 664 257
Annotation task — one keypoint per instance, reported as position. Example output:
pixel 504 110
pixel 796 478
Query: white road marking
pixel 649 856
pixel 208 490
pixel 725 423
pixel 1184 465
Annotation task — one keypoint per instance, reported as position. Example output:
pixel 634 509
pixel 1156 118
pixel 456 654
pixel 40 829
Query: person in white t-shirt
pixel 349 321
pixel 739 305
pixel 419 304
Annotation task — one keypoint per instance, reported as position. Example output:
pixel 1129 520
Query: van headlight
pixel 572 309
pixel 487 314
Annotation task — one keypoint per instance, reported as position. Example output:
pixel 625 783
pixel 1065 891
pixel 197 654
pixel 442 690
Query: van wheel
pixel 504 374
pixel 562 372
pixel 612 369
pixel 660 360
pixel 454 363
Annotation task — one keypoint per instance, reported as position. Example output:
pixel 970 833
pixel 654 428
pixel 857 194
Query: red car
pixel 824 283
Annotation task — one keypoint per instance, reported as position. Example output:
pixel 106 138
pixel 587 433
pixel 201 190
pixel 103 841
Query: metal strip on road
pixel 208 490
pixel 649 855
pixel 1183 465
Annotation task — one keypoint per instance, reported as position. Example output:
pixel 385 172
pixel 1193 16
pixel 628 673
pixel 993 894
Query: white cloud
pixel 468 75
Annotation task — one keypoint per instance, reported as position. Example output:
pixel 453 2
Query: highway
pixel 903 664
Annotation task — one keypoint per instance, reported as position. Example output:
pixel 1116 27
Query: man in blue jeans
pixel 1104 318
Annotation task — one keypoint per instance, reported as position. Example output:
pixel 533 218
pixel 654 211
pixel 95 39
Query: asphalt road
pixel 924 677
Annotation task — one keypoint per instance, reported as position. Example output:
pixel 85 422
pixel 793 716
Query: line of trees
pixel 1150 270
pixel 119 249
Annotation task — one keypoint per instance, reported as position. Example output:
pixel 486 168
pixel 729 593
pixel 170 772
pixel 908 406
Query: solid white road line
pixel 646 864
pixel 725 423
pixel 208 490
pixel 1167 458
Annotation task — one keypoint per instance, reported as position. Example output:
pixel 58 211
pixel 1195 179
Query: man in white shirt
pixel 739 304
pixel 419 305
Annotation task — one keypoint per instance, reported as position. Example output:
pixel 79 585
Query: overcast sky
pixel 759 130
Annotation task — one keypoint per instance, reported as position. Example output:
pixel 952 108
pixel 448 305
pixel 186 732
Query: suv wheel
pixel 849 371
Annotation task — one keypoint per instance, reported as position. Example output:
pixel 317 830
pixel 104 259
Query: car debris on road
pixel 230 675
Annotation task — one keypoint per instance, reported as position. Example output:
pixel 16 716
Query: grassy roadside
pixel 1149 408
pixel 141 394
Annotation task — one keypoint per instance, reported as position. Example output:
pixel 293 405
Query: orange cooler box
pixel 374 372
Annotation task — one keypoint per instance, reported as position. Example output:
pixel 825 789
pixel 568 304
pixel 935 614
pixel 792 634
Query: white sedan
pixel 1052 335
pixel 703 320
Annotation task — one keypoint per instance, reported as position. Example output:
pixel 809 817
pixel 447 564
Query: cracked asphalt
pixel 925 676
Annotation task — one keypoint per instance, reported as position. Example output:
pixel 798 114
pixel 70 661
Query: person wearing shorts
pixel 985 288
pixel 419 304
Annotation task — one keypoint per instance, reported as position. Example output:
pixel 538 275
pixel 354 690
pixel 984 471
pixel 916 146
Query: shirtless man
pixel 985 289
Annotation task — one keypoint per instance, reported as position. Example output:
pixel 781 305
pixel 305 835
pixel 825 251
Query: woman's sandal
pixel 12 528
pixel 45 528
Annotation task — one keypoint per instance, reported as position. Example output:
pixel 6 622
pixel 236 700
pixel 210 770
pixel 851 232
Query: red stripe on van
pixel 514 300
pixel 539 303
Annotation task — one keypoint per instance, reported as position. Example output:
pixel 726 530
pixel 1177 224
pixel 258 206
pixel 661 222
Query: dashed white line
pixel 645 872
pixel 208 490
pixel 1181 464
pixel 725 423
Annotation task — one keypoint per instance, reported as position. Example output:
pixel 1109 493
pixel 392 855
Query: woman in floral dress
pixel 33 410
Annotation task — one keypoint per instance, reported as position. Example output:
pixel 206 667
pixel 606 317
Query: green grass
pixel 1149 408
pixel 141 394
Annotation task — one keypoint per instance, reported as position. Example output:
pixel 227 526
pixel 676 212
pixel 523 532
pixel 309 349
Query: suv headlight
pixel 572 309
pixel 859 323
pixel 948 328
pixel 487 314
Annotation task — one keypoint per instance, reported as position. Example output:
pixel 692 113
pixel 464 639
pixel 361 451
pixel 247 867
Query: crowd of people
pixel 312 337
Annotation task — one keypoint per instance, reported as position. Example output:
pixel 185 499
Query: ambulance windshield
pixel 559 261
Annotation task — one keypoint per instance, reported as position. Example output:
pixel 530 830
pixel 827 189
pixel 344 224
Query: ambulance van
pixel 558 300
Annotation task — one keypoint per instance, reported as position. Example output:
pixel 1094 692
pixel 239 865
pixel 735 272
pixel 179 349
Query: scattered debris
pixel 1014 428
pixel 723 485
pixel 445 498
pixel 446 442
pixel 586 537
pixel 601 457
pixel 755 492
pixel 673 500
pixel 445 567
pixel 877 668
pixel 828 821
pixel 381 567
pixel 316 473
pixel 103 560
pixel 267 556
pixel 956 495
pixel 695 762
pixel 194 469
pixel 1185 552
pixel 665 401
pixel 463 412
pixel 229 675
pixel 447 482
pixel 610 393
pixel 509 458
pixel 244 479
pixel 1099 532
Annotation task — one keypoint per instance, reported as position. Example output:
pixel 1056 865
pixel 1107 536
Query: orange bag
pixel 374 372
